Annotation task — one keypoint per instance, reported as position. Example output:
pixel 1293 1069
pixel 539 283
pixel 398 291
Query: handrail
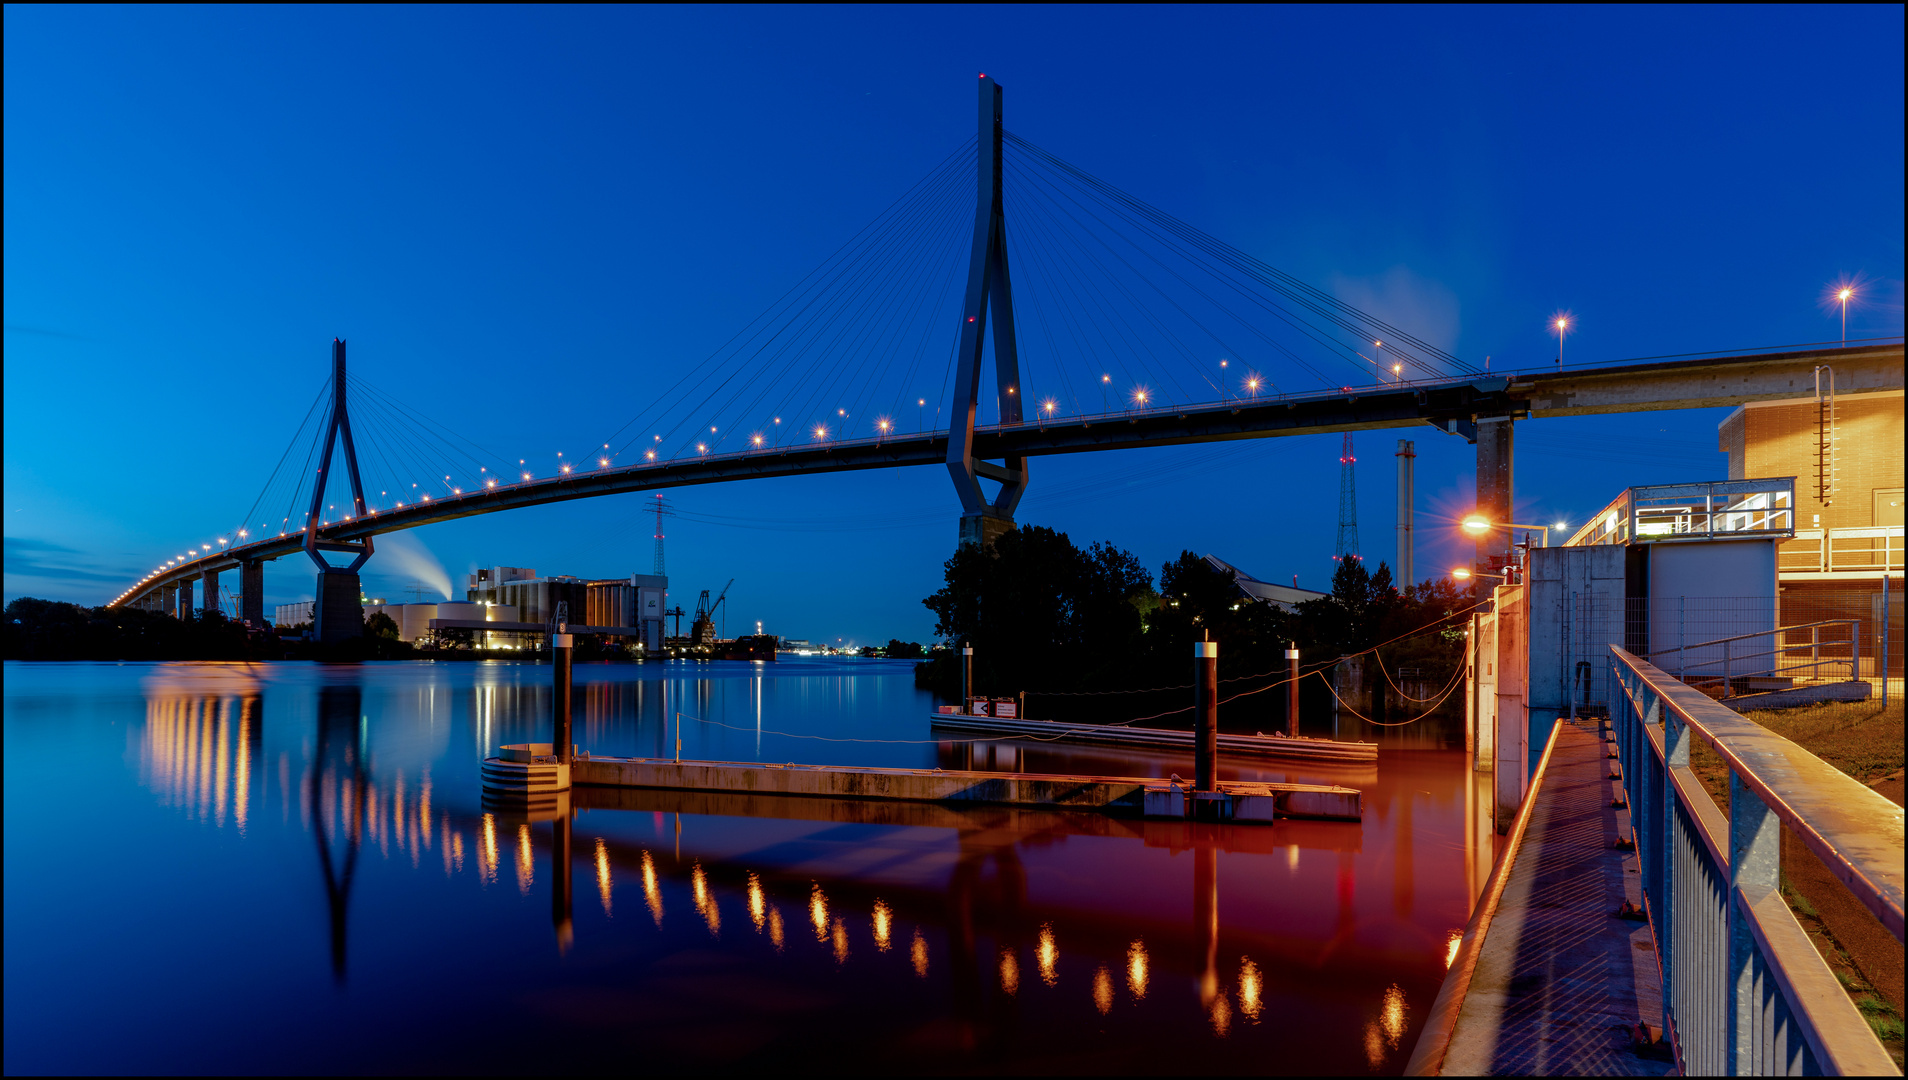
pixel 1729 661
pixel 1761 633
pixel 1814 799
pixel 1743 988
pixel 1434 1041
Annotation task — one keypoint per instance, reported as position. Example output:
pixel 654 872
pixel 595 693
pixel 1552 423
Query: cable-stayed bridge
pixel 1119 326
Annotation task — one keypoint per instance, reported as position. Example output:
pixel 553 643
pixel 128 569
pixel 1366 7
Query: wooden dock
pixel 1322 751
pixel 1241 801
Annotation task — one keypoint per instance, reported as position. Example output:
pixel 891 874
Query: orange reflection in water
pixel 839 938
pixel 1251 989
pixel 758 902
pixel 1388 1029
pixel 1009 971
pixel 1393 1016
pixel 603 874
pixel 197 753
pixel 1103 990
pixel 1451 947
pixel 1220 1014
pixel 652 892
pixel 918 953
pixel 818 913
pixel 883 924
pixel 490 854
pixel 1047 955
pixel 526 860
pixel 705 900
pixel 1136 965
pixel 775 926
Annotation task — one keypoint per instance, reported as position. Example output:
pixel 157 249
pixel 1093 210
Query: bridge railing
pixel 1744 989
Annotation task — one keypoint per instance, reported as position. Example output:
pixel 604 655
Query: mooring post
pixel 967 677
pixel 1291 690
pixel 1206 713
pixel 560 645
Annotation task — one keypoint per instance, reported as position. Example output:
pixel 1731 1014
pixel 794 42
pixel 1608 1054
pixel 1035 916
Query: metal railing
pixel 1666 513
pixel 1741 665
pixel 1744 989
pixel 1825 551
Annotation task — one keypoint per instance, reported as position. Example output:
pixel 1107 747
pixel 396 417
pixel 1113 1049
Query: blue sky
pixel 527 221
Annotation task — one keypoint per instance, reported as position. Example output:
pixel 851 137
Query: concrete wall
pixel 1509 668
pixel 1702 592
pixel 1576 614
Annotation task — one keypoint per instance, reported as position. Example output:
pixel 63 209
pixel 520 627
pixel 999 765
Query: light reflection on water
pixel 1341 932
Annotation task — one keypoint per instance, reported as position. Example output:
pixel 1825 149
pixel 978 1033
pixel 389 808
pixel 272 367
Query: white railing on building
pixel 1744 989
pixel 1825 551
pixel 1711 510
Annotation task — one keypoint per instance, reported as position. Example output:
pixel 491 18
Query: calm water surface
pixel 291 868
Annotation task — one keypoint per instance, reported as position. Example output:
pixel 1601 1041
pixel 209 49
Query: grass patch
pixel 1799 902
pixel 1858 737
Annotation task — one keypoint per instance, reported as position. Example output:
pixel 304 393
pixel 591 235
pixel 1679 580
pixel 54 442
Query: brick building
pixel 1847 462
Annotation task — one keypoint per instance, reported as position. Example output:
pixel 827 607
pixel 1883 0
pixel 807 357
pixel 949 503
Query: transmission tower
pixel 1347 505
pixel 661 508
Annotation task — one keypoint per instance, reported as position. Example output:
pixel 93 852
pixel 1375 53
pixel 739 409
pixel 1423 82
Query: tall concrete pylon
pixel 983 521
pixel 339 613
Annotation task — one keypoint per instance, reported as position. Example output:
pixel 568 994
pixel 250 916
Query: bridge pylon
pixel 982 521
pixel 338 615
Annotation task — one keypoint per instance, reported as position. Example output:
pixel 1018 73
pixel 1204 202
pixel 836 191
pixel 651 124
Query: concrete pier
pixel 252 592
pixel 338 614
pixel 1244 801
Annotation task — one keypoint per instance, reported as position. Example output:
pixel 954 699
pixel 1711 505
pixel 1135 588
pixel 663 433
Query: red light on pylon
pixel 970 318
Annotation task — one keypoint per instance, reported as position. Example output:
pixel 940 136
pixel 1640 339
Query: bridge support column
pixel 209 588
pixel 338 615
pixel 184 610
pixel 1493 493
pixel 984 528
pixel 252 592
pixel 988 288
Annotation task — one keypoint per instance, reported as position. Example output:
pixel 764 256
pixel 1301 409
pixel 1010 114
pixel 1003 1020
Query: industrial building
pixel 1283 597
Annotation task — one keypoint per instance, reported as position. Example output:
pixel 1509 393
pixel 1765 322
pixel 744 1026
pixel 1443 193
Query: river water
pixel 291 868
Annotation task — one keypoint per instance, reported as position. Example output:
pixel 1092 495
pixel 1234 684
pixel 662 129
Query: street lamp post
pixel 1563 326
pixel 1478 526
pixel 1843 294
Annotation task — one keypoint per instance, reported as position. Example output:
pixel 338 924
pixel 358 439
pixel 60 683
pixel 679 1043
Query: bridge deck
pixel 1555 983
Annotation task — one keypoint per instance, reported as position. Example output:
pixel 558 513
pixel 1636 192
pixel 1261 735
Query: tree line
pixel 1086 634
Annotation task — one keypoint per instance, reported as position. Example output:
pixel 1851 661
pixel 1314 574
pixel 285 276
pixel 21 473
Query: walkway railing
pixel 1744 989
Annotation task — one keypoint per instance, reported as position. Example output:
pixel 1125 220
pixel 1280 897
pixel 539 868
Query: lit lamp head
pixel 1461 574
pixel 1476 526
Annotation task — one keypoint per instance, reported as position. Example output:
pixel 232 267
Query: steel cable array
pixel 1106 287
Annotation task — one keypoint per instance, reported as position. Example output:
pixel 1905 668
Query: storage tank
pixel 460 609
pixel 500 613
pixel 416 623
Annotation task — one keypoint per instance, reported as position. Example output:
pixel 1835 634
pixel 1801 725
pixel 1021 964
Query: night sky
pixel 528 222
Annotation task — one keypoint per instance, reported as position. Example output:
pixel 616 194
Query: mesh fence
pixel 1804 635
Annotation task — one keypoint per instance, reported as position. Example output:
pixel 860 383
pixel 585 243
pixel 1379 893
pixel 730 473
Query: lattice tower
pixel 1347 547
